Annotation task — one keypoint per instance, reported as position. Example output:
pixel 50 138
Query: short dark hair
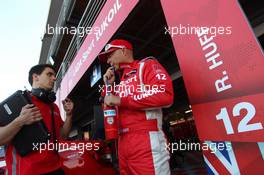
pixel 37 69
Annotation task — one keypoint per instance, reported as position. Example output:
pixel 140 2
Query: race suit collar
pixel 123 66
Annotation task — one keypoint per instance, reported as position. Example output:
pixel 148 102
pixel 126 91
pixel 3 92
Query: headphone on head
pixel 47 96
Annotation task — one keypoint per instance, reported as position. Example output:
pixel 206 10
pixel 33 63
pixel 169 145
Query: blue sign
pixel 96 75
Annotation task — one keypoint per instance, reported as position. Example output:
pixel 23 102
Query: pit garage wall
pixel 224 78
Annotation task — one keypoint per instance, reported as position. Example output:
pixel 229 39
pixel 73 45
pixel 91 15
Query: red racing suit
pixel 145 88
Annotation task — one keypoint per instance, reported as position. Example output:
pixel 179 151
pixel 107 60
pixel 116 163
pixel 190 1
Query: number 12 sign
pixel 240 119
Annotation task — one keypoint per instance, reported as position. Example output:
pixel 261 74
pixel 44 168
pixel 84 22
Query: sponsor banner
pixel 223 75
pixel 219 67
pixel 215 65
pixel 110 18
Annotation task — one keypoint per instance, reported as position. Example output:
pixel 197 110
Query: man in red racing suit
pixel 145 88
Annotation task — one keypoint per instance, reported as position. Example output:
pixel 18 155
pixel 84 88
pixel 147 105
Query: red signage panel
pixel 221 63
pixel 237 119
pixel 110 18
pixel 222 67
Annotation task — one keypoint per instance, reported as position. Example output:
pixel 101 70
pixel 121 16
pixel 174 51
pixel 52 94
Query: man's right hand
pixel 109 76
pixel 29 114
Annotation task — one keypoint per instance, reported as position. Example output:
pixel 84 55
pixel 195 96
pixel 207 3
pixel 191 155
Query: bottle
pixel 110 119
pixel 110 122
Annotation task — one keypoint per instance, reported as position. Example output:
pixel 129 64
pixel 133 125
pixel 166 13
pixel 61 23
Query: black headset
pixel 47 96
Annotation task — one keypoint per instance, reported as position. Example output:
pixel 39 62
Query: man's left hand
pixel 112 100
